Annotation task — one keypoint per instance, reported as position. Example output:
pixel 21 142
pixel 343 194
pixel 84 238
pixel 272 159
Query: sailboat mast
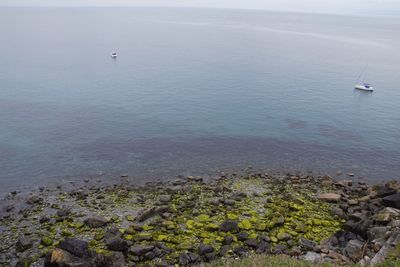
pixel 362 73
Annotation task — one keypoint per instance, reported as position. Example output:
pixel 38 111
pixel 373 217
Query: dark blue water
pixel 194 91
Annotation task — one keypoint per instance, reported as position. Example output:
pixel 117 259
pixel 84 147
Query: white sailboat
pixel 363 86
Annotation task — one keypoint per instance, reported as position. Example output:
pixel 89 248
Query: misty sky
pixel 325 6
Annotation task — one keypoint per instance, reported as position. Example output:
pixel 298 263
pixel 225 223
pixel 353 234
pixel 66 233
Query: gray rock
pixel 280 249
pixel 230 226
pixel 242 236
pixel 116 243
pixel 96 221
pixel 329 197
pixel 165 199
pixel 23 243
pixel 228 240
pixel 34 200
pixel 338 212
pixel 263 246
pixel 238 196
pixel 59 257
pixel 76 247
pixel 211 256
pixel 381 191
pixel 184 259
pixel 354 250
pixel 139 250
pixel 307 244
pixel 312 257
pixel 240 251
pixel 377 232
pixel 149 255
pixel 64 212
pixel 392 201
pixel 253 243
pixel 194 257
pixel 116 259
pixel 148 213
pixel 284 236
pixel 224 250
pixel 205 249
pixel 359 228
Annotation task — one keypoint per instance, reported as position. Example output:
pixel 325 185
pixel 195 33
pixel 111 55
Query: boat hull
pixel 364 88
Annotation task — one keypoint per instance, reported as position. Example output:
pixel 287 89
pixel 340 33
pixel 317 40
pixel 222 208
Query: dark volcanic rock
pixel 96 221
pixel 116 243
pixel 381 191
pixel 230 226
pixel 23 243
pixel 76 247
pixel 307 244
pixel 359 228
pixel 242 236
pixel 184 259
pixel 228 240
pixel 240 251
pixel 139 250
pixel 392 201
pixel 205 249
pixel 116 259
pixel 211 256
pixel 253 243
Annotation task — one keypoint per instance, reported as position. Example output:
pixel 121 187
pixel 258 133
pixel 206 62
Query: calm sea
pixel 194 91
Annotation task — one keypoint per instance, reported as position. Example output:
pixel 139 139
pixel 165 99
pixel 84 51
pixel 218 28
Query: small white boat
pixel 113 54
pixel 364 87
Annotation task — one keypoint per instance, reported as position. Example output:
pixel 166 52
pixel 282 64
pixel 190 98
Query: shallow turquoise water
pixel 193 91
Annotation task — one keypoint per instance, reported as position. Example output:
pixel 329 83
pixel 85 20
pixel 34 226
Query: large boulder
pixel 61 258
pixel 381 191
pixel 76 247
pixel 392 201
pixel 358 227
pixel 116 243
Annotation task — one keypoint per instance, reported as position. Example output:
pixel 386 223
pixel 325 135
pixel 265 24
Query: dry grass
pixel 282 261
pixel 265 261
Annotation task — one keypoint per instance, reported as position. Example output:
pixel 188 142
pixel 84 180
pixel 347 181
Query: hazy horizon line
pixel 393 13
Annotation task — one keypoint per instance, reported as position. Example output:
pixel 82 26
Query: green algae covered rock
pixel 46 241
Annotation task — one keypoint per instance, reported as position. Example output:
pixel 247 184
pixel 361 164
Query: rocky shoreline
pixel 188 221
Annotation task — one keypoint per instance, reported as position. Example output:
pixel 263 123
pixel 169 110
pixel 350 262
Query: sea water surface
pixel 194 91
